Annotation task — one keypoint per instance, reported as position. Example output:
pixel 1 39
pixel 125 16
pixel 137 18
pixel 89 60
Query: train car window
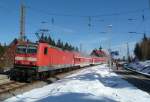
pixel 77 59
pixel 45 51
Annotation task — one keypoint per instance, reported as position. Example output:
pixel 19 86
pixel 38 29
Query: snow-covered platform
pixel 94 84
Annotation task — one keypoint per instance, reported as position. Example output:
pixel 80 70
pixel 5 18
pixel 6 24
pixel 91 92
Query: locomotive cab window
pixel 45 51
pixel 21 49
pixel 32 50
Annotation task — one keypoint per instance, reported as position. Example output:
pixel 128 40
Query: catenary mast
pixel 22 22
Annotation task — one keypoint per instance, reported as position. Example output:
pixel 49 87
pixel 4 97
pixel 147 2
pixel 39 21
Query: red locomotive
pixel 39 60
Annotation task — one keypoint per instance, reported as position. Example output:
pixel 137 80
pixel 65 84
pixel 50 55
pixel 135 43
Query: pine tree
pixel 76 49
pixel 53 43
pixel 148 56
pixel 49 40
pixel 66 46
pixel 2 49
pixel 61 45
pixel 58 43
pixel 45 39
pixel 145 37
pixel 138 52
pixel 42 37
pixel 145 48
pixel 70 48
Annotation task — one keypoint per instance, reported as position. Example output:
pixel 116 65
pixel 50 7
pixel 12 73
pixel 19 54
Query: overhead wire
pixel 85 16
pixel 89 17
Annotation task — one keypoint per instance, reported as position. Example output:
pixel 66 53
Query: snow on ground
pixel 142 66
pixel 95 84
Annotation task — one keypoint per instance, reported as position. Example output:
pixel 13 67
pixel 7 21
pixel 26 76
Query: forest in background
pixel 142 49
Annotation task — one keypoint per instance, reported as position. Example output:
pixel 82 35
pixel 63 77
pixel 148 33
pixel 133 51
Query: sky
pixel 110 20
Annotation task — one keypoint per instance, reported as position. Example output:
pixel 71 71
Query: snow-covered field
pixel 95 84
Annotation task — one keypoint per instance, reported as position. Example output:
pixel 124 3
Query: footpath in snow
pixel 94 84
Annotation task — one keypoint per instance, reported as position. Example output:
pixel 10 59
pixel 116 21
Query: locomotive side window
pixel 45 51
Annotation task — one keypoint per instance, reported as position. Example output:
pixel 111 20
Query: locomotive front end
pixel 25 64
pixel 26 56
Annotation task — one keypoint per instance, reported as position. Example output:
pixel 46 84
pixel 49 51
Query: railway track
pixel 10 86
pixel 13 88
pixel 3 79
pixel 138 80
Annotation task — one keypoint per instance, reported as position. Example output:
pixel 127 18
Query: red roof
pixel 100 52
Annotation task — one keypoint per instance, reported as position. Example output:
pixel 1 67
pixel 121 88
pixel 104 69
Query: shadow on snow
pixel 108 81
pixel 75 97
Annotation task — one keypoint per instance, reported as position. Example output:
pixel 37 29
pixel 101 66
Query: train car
pixel 83 61
pixel 39 60
pixel 99 60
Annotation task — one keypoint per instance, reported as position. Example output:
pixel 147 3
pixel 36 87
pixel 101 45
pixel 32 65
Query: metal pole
pixel 109 49
pixel 22 21
pixel 80 47
pixel 128 54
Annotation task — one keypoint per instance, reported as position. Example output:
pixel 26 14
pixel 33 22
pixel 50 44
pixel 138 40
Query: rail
pixel 128 68
pixel 9 86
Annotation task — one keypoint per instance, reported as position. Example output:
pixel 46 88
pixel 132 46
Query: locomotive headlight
pixel 19 58
pixel 31 59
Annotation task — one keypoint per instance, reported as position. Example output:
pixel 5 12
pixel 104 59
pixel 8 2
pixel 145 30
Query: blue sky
pixel 71 19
